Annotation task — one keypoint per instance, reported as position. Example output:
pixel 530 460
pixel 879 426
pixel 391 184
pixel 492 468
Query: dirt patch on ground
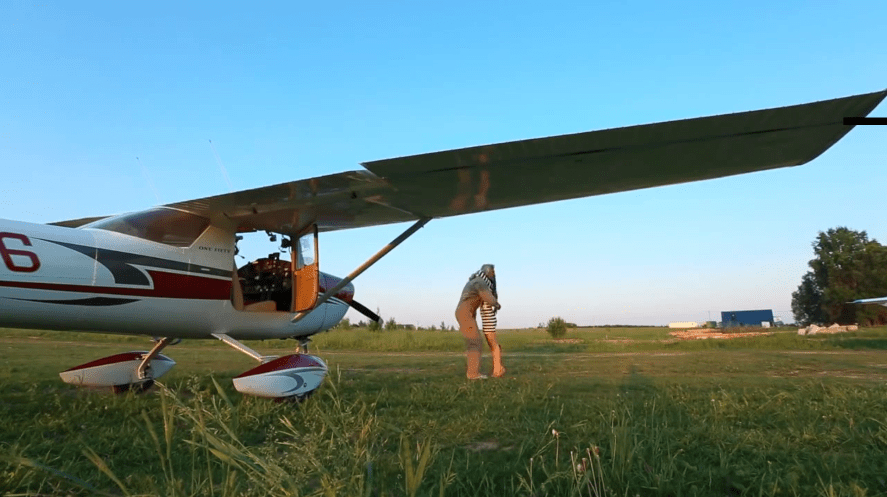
pixel 562 340
pixel 706 333
pixel 851 374
pixel 384 370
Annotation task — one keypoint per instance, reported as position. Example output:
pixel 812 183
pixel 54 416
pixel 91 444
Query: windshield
pixel 167 226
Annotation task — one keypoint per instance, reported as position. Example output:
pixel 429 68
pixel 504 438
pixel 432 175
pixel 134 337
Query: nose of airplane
pixel 328 281
pixel 346 294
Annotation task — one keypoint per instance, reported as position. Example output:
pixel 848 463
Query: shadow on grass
pixel 857 343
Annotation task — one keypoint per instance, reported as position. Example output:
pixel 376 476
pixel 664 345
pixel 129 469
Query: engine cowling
pixel 328 281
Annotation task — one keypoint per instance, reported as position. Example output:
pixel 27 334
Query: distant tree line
pixel 847 266
pixel 390 324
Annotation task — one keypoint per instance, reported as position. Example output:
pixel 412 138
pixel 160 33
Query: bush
pixel 557 327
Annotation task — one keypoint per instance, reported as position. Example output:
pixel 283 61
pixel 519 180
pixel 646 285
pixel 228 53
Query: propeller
pixel 329 281
pixel 357 306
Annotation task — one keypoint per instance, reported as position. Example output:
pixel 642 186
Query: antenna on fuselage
pixel 148 179
pixel 221 166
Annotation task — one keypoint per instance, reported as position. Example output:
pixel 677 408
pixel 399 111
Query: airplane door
pixel 305 261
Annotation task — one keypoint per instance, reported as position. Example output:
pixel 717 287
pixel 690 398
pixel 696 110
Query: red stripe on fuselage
pixel 166 285
pixel 180 286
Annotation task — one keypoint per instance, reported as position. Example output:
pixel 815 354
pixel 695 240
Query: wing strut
pixel 366 265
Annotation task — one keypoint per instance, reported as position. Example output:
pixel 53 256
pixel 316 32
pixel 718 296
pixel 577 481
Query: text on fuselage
pixel 214 249
pixel 7 253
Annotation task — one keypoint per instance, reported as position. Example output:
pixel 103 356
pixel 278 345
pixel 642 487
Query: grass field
pixel 618 411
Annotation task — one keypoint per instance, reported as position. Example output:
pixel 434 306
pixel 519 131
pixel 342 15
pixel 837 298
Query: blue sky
pixel 292 90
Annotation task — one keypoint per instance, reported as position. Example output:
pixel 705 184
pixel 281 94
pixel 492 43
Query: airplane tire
pixel 136 388
pixel 295 399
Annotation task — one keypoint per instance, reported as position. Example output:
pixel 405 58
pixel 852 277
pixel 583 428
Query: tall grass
pixel 204 444
pixel 743 419
pixel 193 439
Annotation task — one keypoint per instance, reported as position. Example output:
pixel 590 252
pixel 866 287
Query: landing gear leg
pixel 144 369
pixel 140 387
pixel 243 348
pixel 144 375
pixel 302 348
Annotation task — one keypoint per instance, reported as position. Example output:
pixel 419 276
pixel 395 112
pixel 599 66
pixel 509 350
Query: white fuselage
pixel 88 279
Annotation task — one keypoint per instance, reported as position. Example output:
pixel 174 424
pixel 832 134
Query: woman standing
pixel 480 290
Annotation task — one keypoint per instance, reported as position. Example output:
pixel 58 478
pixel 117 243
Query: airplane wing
pixel 879 300
pixel 74 223
pixel 540 170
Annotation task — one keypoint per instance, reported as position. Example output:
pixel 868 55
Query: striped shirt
pixel 488 317
pixel 487 311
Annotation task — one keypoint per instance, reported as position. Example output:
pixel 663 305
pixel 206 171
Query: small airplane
pixel 171 270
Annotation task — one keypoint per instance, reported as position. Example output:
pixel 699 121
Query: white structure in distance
pixel 684 324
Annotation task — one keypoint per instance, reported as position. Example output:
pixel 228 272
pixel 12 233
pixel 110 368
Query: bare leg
pixel 498 369
pixel 468 327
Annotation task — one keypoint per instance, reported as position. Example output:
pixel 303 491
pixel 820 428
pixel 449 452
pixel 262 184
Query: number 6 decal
pixel 7 253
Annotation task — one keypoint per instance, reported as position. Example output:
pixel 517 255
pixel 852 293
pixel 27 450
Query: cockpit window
pixel 172 227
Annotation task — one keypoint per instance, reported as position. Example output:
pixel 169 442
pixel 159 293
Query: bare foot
pixel 499 374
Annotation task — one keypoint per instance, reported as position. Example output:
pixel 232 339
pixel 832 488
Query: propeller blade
pixel 357 306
